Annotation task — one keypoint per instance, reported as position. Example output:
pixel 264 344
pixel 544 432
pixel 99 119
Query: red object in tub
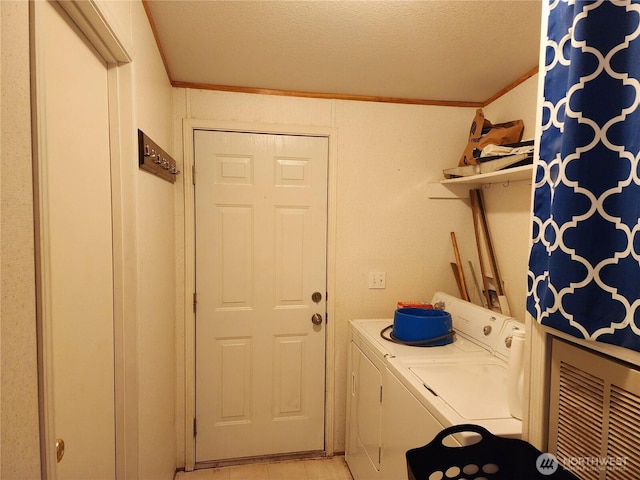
pixel 414 305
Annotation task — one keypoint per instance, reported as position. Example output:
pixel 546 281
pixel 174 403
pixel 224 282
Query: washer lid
pixel 370 329
pixel 476 390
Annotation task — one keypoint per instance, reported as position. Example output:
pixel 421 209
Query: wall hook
pixel 155 160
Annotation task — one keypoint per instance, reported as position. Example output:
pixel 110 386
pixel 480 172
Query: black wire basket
pixel 492 458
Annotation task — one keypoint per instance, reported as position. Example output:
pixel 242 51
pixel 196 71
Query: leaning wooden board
pixel 483 236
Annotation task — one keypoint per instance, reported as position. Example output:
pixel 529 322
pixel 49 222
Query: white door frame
pixel 98 27
pixel 188 318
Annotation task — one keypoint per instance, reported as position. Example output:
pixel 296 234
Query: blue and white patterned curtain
pixel 584 266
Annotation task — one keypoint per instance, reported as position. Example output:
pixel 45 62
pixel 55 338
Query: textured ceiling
pixel 429 50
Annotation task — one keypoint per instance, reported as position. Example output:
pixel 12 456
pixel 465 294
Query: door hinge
pixel 193 174
pixel 195 427
pixel 195 302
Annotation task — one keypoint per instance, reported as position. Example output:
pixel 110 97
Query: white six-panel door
pixel 261 219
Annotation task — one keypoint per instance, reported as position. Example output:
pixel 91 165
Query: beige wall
pixel 386 154
pixel 19 444
pixel 156 262
pixel 148 243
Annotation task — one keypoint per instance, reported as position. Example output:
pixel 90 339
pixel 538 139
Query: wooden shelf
pixel 459 187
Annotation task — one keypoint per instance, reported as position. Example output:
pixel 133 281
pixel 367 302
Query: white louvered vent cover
pixel 594 418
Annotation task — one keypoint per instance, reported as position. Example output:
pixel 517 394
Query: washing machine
pixel 399 397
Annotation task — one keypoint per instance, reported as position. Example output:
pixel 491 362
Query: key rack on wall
pixel 155 160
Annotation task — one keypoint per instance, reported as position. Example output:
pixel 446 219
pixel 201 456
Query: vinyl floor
pixel 334 468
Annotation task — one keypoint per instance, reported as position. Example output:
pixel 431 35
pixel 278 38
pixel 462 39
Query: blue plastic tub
pixel 419 324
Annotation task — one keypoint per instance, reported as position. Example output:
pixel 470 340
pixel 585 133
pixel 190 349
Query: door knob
pixel 59 449
pixel 316 319
pixel 316 297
